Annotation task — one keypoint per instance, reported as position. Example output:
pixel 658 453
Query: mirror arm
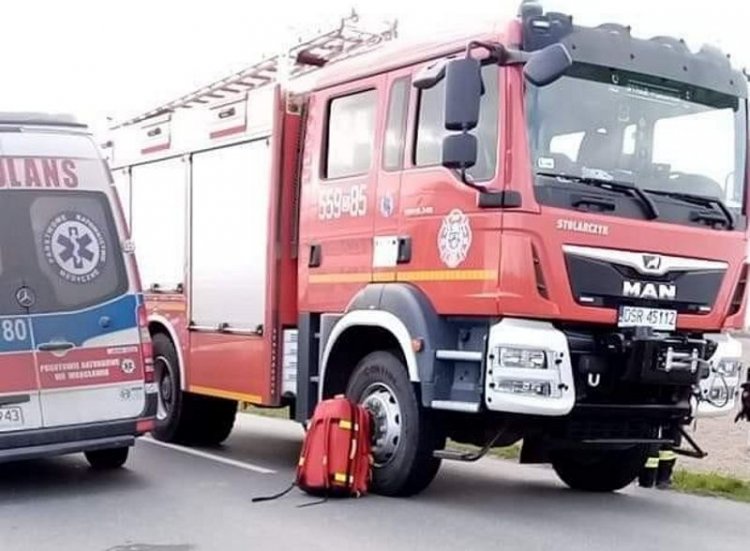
pixel 501 54
pixel 514 56
pixel 496 51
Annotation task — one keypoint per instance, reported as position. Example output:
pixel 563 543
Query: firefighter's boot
pixel 647 477
pixel 667 460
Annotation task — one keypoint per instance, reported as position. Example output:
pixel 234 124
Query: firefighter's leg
pixel 667 460
pixel 647 478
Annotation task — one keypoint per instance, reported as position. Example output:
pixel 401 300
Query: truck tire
pixel 601 470
pixel 171 411
pixel 404 436
pixel 182 417
pixel 106 460
pixel 214 422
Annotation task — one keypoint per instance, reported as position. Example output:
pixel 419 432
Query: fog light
pixel 525 358
pixel 720 393
pixel 532 388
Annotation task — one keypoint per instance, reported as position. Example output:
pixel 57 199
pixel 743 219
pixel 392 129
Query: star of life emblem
pixel 454 238
pixel 75 247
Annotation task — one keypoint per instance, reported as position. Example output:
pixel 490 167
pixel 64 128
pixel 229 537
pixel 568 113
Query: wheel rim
pixel 166 391
pixel 381 402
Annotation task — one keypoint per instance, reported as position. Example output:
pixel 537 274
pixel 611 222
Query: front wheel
pixel 599 470
pixel 105 460
pixel 404 436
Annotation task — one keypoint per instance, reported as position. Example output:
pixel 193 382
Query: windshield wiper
pixel 630 188
pixel 702 200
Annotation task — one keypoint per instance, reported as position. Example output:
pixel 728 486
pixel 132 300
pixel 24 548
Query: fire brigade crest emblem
pixel 454 238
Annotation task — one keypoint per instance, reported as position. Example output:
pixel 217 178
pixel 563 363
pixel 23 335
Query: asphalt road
pixel 170 500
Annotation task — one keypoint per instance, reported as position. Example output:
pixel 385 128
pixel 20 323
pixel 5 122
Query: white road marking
pixel 211 456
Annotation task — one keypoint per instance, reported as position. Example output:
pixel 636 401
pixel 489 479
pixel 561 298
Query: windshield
pixel 662 136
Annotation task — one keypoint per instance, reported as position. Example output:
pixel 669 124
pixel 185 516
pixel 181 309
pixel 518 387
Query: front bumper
pixel 642 368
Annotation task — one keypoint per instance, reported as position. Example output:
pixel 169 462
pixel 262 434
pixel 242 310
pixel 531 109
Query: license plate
pixel 11 416
pixel 656 318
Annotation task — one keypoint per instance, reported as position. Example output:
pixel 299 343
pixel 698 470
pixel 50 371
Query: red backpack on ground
pixel 336 455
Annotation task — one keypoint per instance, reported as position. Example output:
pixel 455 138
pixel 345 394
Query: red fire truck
pixel 533 233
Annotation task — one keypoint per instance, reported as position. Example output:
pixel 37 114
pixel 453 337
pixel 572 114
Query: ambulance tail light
pixel 147 348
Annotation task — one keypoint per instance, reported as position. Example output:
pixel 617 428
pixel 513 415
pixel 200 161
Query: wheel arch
pixel 160 324
pixel 395 315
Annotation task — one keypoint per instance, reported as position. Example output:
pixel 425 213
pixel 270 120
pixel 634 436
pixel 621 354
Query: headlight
pixel 729 367
pixel 525 358
pixel 533 388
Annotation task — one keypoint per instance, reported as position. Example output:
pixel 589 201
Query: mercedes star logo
pixel 651 262
pixel 25 297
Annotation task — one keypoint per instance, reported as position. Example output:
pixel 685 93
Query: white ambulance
pixel 76 373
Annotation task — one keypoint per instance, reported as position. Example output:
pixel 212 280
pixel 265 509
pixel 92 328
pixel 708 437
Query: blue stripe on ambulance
pixel 80 326
pixel 15 335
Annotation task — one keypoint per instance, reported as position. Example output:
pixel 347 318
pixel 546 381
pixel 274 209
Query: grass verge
pixel 711 484
pixel 277 413
pixel 508 452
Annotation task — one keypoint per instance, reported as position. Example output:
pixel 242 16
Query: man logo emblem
pixel 651 262
pixel 25 297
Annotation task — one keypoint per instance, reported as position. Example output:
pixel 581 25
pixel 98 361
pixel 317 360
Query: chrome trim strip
pixel 466 407
pixel 637 261
pixel 459 355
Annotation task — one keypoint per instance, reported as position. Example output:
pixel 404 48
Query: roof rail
pixel 343 41
pixel 31 118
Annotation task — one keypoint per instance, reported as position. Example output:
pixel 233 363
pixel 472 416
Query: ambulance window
pixel 395 131
pixel 351 134
pixel 431 128
pixel 64 246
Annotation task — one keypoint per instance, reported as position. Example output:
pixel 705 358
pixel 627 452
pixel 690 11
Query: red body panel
pixel 245 367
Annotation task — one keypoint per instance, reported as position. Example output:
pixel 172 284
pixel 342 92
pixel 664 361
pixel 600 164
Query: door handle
pixel 404 250
pixel 56 346
pixel 316 256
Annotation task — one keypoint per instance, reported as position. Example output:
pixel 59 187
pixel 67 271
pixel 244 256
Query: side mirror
pixel 547 65
pixel 460 151
pixel 463 92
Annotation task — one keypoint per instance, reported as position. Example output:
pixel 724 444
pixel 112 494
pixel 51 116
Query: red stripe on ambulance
pixel 17 373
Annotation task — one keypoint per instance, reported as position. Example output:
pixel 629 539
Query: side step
pixel 467 456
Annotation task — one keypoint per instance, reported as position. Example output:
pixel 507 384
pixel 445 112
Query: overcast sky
pixel 116 57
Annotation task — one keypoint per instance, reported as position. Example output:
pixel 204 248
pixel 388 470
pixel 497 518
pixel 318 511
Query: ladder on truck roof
pixel 342 42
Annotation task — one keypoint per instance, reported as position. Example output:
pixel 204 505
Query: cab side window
pixel 395 131
pixel 350 135
pixel 431 126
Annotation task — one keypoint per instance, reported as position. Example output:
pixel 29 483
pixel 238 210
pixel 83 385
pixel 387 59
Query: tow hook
pixel 696 452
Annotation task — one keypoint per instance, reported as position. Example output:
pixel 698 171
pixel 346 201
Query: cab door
pixel 390 248
pixel 455 245
pixel 339 176
pixel 85 315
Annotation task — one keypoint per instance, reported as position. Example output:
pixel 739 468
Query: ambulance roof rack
pixel 30 118
pixel 308 54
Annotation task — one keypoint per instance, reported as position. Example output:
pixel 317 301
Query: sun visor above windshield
pixel 611 45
